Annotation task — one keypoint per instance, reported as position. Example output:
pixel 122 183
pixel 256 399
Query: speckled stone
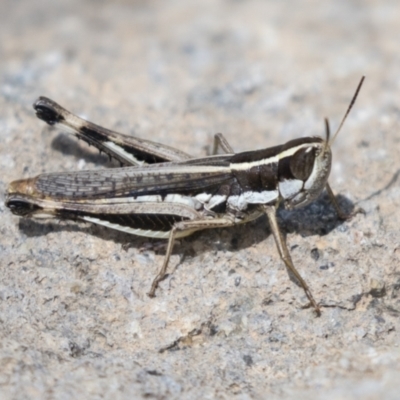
pixel 75 320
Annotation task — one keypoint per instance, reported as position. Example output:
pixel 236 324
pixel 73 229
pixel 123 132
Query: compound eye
pixel 302 163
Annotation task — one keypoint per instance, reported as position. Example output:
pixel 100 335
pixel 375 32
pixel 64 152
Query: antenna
pixel 353 100
pixel 327 134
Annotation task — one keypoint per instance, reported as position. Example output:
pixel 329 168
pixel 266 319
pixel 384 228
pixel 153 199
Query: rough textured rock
pixel 228 322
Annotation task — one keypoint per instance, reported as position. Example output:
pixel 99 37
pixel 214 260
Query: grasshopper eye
pixel 302 163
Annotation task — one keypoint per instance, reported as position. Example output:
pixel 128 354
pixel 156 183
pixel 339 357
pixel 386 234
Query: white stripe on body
pixel 240 202
pixel 122 153
pixel 270 160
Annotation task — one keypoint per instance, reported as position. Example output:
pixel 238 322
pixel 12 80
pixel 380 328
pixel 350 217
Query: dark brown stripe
pixel 284 171
pixel 94 135
pixel 269 176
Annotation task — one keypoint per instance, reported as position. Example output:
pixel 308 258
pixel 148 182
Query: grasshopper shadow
pixel 69 146
pixel 318 218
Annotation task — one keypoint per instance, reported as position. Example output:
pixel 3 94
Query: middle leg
pixel 185 228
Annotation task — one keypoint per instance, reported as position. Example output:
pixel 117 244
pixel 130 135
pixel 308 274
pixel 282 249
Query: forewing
pixel 160 179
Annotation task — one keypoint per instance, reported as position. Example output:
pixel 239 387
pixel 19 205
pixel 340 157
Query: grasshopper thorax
pixel 303 170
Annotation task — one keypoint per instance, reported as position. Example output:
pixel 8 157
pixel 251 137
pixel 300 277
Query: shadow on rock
pixel 68 145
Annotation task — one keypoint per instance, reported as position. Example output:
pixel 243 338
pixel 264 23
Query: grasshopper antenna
pixel 327 134
pixel 353 100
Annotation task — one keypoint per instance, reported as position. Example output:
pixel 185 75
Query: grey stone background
pixel 75 321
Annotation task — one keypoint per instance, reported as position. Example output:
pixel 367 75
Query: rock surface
pixel 75 320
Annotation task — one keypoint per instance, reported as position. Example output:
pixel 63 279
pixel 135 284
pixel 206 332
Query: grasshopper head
pixel 305 164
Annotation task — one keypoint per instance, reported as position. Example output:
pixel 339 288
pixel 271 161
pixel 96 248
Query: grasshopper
pixel 166 193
